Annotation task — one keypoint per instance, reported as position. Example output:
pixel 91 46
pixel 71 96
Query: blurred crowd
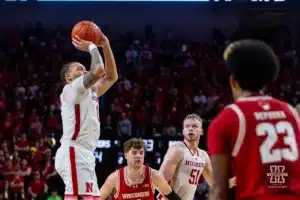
pixel 161 80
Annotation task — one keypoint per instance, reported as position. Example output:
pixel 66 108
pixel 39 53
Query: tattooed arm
pixel 97 67
pixel 111 74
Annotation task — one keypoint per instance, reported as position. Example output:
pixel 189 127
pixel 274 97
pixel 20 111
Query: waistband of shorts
pixel 75 144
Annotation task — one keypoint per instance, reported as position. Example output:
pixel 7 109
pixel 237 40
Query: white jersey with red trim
pixel 80 115
pixel 186 178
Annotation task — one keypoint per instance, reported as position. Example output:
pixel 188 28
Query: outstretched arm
pixel 162 185
pixel 207 172
pixel 111 74
pixel 219 137
pixel 220 185
pixel 97 66
pixel 172 158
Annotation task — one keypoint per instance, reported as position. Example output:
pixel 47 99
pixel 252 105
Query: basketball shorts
pixel 76 166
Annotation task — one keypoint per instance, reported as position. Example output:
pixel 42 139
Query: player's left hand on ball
pixel 80 44
pixel 104 42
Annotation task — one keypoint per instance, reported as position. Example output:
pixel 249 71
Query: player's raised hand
pixel 80 44
pixel 104 42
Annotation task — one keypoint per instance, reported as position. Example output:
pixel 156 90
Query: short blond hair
pixel 135 143
pixel 193 116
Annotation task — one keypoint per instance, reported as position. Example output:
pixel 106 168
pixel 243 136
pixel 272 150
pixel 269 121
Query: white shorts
pixel 76 166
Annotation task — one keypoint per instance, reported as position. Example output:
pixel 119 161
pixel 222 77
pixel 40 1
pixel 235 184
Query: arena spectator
pixel 54 196
pixel 37 187
pixel 124 126
pixel 17 187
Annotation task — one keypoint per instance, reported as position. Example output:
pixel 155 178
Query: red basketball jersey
pixel 142 191
pixel 263 136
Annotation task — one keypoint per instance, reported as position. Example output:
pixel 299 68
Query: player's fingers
pixel 76 45
pixel 75 42
pixel 78 38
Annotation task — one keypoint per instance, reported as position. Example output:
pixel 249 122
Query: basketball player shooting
pixel 258 135
pixel 136 181
pixel 184 162
pixel 75 161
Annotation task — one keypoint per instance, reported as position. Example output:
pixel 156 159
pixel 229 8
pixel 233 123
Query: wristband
pixel 91 47
pixel 173 196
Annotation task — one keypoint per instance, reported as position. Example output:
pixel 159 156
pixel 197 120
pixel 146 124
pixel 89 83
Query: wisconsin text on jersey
pixel 136 195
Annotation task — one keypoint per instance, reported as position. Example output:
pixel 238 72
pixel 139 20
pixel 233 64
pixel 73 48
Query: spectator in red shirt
pixel 17 187
pixel 25 169
pixel 9 171
pixel 118 105
pixel 49 169
pixel 25 172
pixel 174 116
pixel 22 146
pixel 35 158
pixel 2 160
pixel 38 187
pixel 8 126
pixel 36 129
pixel 16 159
pixel 19 114
pixel 44 146
pixel 52 122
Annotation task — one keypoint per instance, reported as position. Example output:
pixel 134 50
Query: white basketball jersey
pixel 188 172
pixel 80 115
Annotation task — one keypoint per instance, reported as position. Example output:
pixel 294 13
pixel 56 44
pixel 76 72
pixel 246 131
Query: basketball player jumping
pixel 75 161
pixel 257 134
pixel 136 181
pixel 184 162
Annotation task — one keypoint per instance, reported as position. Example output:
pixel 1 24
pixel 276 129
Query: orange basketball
pixel 87 30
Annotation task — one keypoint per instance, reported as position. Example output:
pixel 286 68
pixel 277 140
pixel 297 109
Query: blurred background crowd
pixel 162 79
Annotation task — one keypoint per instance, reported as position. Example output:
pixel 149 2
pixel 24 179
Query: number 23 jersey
pixel 262 135
pixel 188 172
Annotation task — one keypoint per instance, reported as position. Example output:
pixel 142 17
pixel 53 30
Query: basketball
pixel 87 30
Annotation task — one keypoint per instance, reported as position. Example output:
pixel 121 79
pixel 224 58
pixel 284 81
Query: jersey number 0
pixel 268 153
